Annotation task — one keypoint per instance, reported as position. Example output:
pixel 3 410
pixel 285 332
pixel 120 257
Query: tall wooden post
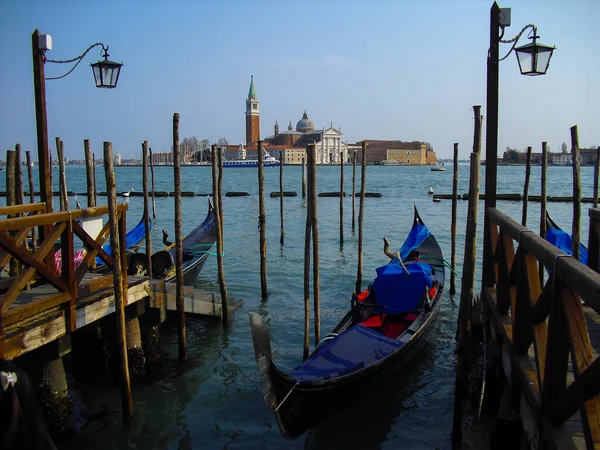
pixel 220 192
pixel 262 222
pixel 146 209
pixel 89 172
pixel 526 187
pixel 11 181
pixel 152 173
pixel 361 214
pixel 341 198
pixel 282 229
pixel 19 190
pixel 31 196
pixel 303 177
pixel 94 178
pixel 468 276
pixel 453 226
pixel 120 292
pixel 353 191
pixel 39 84
pixel 575 238
pixel 312 170
pixel 218 205
pixel 62 176
pixel 178 241
pixel 307 237
pixel 543 203
pixel 596 176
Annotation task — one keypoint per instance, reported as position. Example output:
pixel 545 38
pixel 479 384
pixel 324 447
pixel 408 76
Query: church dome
pixel 305 124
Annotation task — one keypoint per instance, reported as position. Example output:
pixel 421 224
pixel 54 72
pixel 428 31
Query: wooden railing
pixel 544 330
pixel 594 240
pixel 38 261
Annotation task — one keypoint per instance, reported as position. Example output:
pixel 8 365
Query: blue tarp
pixel 562 240
pixel 398 290
pixel 415 238
pixel 352 350
pixel 132 238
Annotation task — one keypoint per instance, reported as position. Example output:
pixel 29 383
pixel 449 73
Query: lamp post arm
pixel 515 40
pixel 78 59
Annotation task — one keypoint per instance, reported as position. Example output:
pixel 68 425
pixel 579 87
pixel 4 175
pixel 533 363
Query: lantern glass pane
pixel 526 62
pixel 97 75
pixel 543 60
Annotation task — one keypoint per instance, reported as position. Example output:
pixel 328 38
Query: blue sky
pixel 395 69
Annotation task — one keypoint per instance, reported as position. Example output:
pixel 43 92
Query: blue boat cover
pixel 398 290
pixel 133 237
pixel 352 350
pixel 418 234
pixel 562 240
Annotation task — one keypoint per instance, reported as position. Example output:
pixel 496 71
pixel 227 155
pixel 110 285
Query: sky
pixel 395 69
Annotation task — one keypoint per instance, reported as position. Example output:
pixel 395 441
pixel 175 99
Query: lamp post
pixel 533 60
pixel 106 75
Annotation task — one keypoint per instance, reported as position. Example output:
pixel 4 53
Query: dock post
pixel 89 172
pixel 353 190
pixel 466 294
pixel 575 237
pixel 152 176
pixel 217 203
pixel 543 203
pixel 62 177
pixel 596 175
pixel 147 228
pixel 262 222
pixel 361 213
pixel 31 195
pixel 303 177
pixel 11 181
pixel 307 237
pixel 54 394
pixel 178 242
pixel 120 293
pixel 19 190
pixel 526 187
pixel 94 179
pixel 453 226
pixel 282 229
pixel 220 193
pixel 341 198
pixel 312 170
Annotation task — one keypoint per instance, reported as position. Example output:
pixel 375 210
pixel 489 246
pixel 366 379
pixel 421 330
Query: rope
pixel 78 59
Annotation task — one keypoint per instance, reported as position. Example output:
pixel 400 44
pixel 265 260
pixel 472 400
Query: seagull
pixel 126 194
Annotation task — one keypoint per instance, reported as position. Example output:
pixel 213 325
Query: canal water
pixel 215 400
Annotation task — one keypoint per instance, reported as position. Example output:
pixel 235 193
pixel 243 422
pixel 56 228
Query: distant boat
pixel 438 168
pixel 430 191
pixel 268 161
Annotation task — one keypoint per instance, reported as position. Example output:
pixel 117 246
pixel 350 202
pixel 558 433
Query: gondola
pixel 197 247
pixel 562 240
pixel 385 326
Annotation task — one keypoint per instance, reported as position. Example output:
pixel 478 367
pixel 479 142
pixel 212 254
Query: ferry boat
pixel 268 161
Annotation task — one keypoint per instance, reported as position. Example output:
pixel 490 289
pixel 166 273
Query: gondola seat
pixel 400 292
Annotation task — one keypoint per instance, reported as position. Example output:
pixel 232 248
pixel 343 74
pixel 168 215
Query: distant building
pixel 118 159
pixel 414 153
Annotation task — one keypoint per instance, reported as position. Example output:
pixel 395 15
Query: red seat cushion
pixel 374 321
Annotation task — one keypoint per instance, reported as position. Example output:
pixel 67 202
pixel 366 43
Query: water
pixel 215 400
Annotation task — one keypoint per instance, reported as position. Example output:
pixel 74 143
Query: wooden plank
pixel 22 209
pixel 46 330
pixel 21 312
pixel 522 314
pixel 506 255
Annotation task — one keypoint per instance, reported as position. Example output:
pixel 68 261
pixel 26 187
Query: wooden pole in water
pixel 307 237
pixel 543 205
pixel 94 179
pixel 146 209
pixel 303 177
pixel 19 191
pixel 152 173
pixel 341 197
pixel 466 295
pixel 218 202
pixel 282 229
pixel 596 175
pixel 11 181
pixel 62 177
pixel 178 242
pixel 526 187
pixel 31 195
pixel 353 190
pixel 262 222
pixel 361 213
pixel 453 226
pixel 312 169
pixel 220 193
pixel 89 172
pixel 575 238
pixel 120 292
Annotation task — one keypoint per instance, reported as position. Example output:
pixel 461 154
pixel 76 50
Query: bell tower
pixel 252 115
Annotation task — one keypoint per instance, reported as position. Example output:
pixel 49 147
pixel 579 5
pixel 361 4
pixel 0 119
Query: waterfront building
pixel 414 153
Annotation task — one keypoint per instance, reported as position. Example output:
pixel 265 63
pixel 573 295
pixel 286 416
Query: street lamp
pixel 533 60
pixel 106 75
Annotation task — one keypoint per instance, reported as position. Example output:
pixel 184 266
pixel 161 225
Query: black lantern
pixel 106 73
pixel 534 58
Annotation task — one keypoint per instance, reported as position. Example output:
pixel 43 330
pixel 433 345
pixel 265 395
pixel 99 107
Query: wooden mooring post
pixel 453 226
pixel 341 198
pixel 152 176
pixel 62 177
pixel 281 228
pixel 353 191
pixel 11 181
pixel 596 176
pixel 94 179
pixel 575 237
pixel 312 169
pixel 89 172
pixel 303 177
pixel 218 198
pixel 526 187
pixel 468 275
pixel 146 209
pixel 361 214
pixel 262 222
pixel 307 237
pixel 117 234
pixel 19 189
pixel 178 242
pixel 543 203
pixel 31 196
